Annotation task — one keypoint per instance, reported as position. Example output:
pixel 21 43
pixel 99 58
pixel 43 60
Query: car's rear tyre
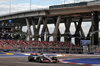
pixel 55 58
pixel 30 58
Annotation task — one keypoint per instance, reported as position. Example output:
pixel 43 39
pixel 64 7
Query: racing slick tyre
pixel 30 58
pixel 55 58
pixel 40 59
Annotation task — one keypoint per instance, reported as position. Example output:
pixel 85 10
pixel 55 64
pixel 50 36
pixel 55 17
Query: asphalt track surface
pixel 23 61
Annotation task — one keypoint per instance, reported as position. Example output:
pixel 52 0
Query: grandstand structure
pixel 39 46
pixel 9 31
pixel 66 15
pixel 6 29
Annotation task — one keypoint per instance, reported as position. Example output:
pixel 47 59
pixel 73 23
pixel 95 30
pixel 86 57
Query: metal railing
pixel 74 50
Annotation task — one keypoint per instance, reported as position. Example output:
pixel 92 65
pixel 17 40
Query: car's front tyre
pixel 40 59
pixel 55 58
pixel 30 58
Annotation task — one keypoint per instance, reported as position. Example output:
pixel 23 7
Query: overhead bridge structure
pixel 77 15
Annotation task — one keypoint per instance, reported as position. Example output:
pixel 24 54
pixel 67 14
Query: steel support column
pixel 44 28
pixel 56 28
pixel 77 34
pixel 34 30
pixel 95 27
pixel 38 28
pixel 58 34
pixel 28 28
pixel 67 36
pixel 81 33
pixel 88 35
pixel 47 34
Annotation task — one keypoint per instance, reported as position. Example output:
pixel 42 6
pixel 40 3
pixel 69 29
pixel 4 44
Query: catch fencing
pixel 74 50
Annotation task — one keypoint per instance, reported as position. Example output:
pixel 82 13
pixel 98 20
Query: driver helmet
pixel 44 54
pixel 32 53
pixel 41 53
pixel 37 54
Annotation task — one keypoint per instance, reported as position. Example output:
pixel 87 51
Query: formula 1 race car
pixel 42 58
